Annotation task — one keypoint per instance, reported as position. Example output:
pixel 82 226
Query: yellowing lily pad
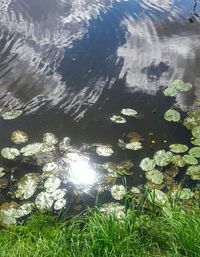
pixel 10 115
pixel 19 137
pixel 178 161
pixel 172 115
pixel 10 153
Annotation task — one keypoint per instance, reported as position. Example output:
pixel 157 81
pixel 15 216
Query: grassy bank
pixel 99 235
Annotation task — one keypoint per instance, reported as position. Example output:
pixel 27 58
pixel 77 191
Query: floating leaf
pixel 118 192
pixel 59 194
pixel 190 122
pixel 178 161
pixel 196 132
pixel 3 183
pixel 31 149
pixel 134 146
pixel 64 144
pixel 155 176
pixel 157 197
pixel 129 112
pixel 24 210
pixel 178 148
pixel 104 150
pixel 19 137
pixel 2 172
pixel 121 144
pixel 60 204
pixel 10 115
pixel 134 136
pixel 10 153
pixel 190 159
pixel 135 190
pixel 50 139
pixel 44 201
pixel 195 151
pixel 113 209
pixel 196 141
pixel 50 168
pixel 162 158
pixel 183 194
pixel 47 148
pixel 170 91
pixel 7 217
pixel 27 186
pixel 147 164
pixel 172 115
pixel 194 171
pixel 118 119
pixel 185 87
pixel 51 184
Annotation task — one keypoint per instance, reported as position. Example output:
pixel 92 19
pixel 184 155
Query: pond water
pixel 70 65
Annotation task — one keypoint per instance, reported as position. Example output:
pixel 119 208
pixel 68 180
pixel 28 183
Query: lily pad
pixel 44 201
pixel 178 148
pixel 193 170
pixel 190 122
pixel 196 132
pixel 135 190
pixel 31 149
pixel 2 172
pixel 27 186
pixel 129 112
pixel 24 210
pixel 118 119
pixel 19 137
pixel 10 115
pixel 64 144
pixel 135 137
pixel 155 176
pixel 51 184
pixel 113 208
pixel 178 161
pixel 183 194
pixel 60 204
pixel 195 151
pixel 196 141
pixel 10 153
pixel 170 91
pixel 185 87
pixel 104 150
pixel 50 139
pixel 147 164
pixel 134 146
pixel 190 159
pixel 157 197
pixel 59 194
pixel 118 192
pixel 50 168
pixel 7 217
pixel 162 158
pixel 172 115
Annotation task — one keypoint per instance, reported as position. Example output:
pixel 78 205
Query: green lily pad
pixel 163 158
pixel 2 172
pixel 60 204
pixel 190 159
pixel 170 91
pixel 196 141
pixel 59 194
pixel 47 148
pixel 64 144
pixel 196 132
pixel 129 112
pixel 24 210
pixel 147 164
pixel 7 217
pixel 195 151
pixel 190 122
pixel 104 150
pixel 134 146
pixel 155 176
pixel 19 137
pixel 118 119
pixel 135 190
pixel 10 153
pixel 172 115
pixel 178 161
pixel 27 186
pixel 193 170
pixel 118 192
pixel 44 201
pixel 31 149
pixel 183 194
pixel 50 139
pixel 178 148
pixel 157 197
pixel 185 87
pixel 51 184
pixel 49 169
pixel 10 115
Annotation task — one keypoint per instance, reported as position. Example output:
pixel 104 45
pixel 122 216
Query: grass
pixel 97 235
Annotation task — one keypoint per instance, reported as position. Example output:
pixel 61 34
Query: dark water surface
pixel 69 65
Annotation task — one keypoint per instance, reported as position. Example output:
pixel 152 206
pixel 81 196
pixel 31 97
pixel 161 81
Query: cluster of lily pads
pixel 160 170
